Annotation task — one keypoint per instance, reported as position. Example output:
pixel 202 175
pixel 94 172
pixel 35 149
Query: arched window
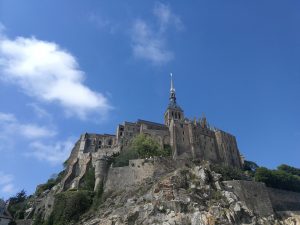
pixel 109 142
pixel 99 144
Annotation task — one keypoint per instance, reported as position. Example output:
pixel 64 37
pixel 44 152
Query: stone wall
pixel 119 178
pixel 253 194
pixel 284 200
pixel 228 149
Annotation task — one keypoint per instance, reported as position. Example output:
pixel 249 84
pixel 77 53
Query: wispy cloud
pixel 6 183
pixel 166 17
pixel 45 71
pixel 39 111
pixel 148 46
pixel 44 143
pixel 102 22
pixel 149 43
pixel 54 153
pixel 10 126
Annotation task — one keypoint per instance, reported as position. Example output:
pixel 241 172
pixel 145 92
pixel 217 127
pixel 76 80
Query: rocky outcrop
pixel 187 196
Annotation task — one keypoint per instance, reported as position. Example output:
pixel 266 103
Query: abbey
pixel 189 139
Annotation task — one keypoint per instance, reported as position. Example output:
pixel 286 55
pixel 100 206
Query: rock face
pixel 192 195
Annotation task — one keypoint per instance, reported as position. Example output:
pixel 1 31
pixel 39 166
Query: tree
pixel 278 179
pixel 250 166
pixel 289 169
pixel 141 146
pixel 145 146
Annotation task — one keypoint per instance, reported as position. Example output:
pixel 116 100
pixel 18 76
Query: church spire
pixel 172 92
pixel 173 112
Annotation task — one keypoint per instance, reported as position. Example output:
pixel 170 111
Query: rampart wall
pixel 254 194
pixel 284 200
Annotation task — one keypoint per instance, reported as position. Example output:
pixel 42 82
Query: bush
pixel 289 169
pixel 55 179
pixel 88 180
pixel 250 166
pixel 278 179
pixel 69 206
pixel 43 187
pixel 123 158
pixel 17 205
pixel 140 147
pixel 229 173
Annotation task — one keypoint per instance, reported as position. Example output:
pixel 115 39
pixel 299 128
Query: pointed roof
pixel 172 103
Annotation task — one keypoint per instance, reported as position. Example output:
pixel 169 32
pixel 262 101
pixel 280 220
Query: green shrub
pixel 88 180
pixel 17 205
pixel 47 186
pixel 55 179
pixel 123 158
pixel 140 147
pixel 69 206
pixel 229 173
pixel 289 169
pixel 278 179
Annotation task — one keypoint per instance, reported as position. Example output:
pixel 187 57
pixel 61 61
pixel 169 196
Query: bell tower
pixel 173 112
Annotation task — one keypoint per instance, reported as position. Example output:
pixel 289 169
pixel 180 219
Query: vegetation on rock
pixel 229 173
pixel 280 179
pixel 141 146
pixel 69 206
pixel 17 205
pixel 55 179
pixel 88 180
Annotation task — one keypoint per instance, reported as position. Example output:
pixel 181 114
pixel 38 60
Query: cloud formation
pixel 45 71
pixel 150 44
pixel 9 125
pixel 166 17
pixel 55 153
pixel 6 183
pixel 43 144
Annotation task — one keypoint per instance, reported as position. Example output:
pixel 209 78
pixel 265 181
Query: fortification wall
pixel 284 200
pixel 228 149
pixel 254 194
pixel 119 178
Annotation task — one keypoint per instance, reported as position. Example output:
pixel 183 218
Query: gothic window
pixel 109 142
pixel 99 144
pixel 179 115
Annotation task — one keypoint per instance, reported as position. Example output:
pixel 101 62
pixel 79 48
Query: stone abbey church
pixel 189 139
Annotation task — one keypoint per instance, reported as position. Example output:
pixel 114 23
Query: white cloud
pixel 55 153
pixel 150 44
pixel 6 183
pixel 103 22
pixel 10 126
pixel 166 17
pixel 49 73
pixel 39 111
pixel 43 143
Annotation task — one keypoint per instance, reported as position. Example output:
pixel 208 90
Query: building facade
pixel 194 139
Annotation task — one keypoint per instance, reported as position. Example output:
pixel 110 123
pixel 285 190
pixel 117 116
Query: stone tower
pixel 173 112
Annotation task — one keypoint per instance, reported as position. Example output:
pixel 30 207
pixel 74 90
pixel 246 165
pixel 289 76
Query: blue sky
pixel 69 67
